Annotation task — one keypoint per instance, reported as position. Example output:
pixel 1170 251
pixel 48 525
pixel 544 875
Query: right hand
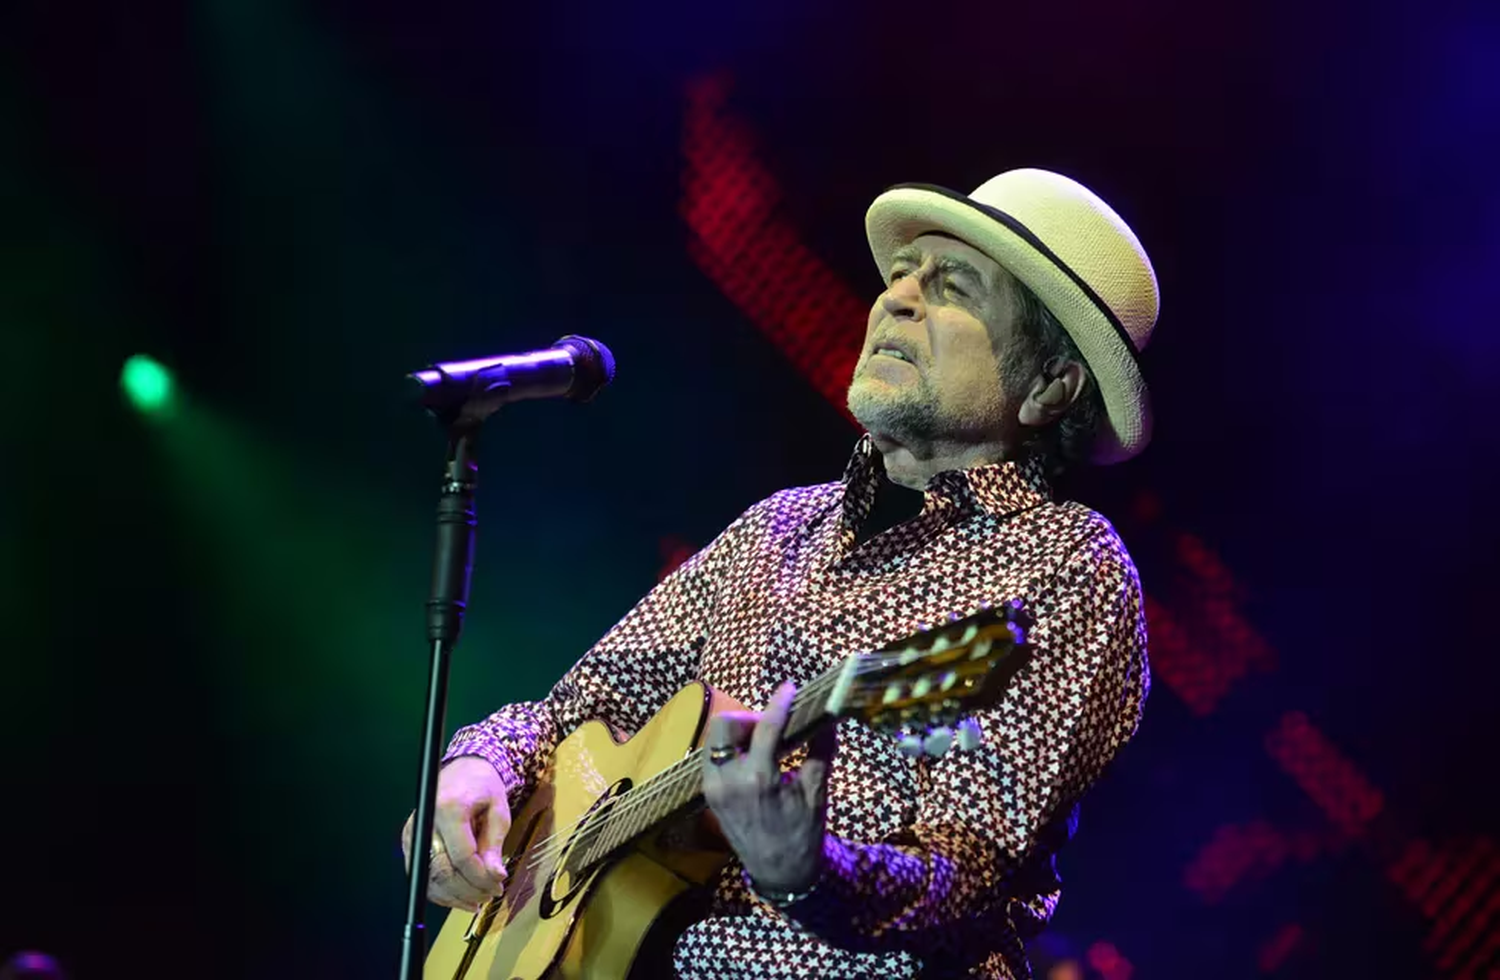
pixel 472 819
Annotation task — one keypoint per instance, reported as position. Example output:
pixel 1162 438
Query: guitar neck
pixel 930 676
pixel 680 785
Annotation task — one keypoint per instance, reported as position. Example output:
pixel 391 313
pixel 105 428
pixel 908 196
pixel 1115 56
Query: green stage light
pixel 147 384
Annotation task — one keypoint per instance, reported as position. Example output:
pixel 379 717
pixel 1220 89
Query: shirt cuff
pixel 490 751
pixel 822 907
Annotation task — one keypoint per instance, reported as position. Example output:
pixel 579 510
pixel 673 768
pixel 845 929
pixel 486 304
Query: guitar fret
pixel 810 702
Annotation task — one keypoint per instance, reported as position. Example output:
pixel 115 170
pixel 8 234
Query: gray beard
pixel 912 420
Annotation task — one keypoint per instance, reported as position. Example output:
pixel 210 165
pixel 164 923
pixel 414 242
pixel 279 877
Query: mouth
pixel 897 349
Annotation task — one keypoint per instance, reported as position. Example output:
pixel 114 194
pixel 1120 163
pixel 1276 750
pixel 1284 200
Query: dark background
pixel 212 624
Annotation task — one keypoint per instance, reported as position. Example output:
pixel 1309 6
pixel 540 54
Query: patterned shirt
pixel 936 867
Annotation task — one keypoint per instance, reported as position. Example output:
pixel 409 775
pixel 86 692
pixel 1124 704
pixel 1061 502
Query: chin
pixel 868 400
pixel 891 414
pixel 865 389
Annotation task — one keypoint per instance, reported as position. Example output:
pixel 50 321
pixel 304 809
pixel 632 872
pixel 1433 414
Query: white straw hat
pixel 1073 251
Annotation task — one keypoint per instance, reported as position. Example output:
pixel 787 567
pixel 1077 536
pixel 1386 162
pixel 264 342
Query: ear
pixel 1053 392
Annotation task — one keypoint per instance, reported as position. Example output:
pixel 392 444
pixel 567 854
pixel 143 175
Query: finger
pixel 447 887
pixel 731 728
pixel 766 738
pixel 455 828
pixel 406 840
pixel 492 841
pixel 813 774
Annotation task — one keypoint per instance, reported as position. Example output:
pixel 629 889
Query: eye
pixel 952 286
pixel 897 274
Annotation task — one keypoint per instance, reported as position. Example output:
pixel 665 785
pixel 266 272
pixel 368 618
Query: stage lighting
pixel 147 384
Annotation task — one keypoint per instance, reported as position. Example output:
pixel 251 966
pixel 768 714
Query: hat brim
pixel 902 214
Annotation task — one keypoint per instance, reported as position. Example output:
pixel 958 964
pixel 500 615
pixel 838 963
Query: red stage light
pixel 1181 664
pixel 1275 951
pixel 1107 960
pixel 674 551
pixel 1458 887
pixel 1237 852
pixel 1340 790
pixel 755 256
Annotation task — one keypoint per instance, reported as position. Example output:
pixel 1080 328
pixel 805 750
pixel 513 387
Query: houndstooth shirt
pixel 936 867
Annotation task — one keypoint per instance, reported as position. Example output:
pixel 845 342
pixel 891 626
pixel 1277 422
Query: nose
pixel 903 299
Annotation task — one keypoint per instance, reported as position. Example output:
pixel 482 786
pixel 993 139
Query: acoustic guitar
pixel 590 868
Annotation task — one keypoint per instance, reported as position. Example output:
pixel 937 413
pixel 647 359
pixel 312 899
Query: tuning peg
pixel 938 741
pixel 968 735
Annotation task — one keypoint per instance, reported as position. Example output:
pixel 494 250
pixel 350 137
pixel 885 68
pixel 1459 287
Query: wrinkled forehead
pixel 953 252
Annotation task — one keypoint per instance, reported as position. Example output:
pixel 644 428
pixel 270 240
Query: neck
pixel 913 466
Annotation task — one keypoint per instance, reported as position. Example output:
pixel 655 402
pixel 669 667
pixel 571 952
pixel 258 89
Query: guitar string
pixel 668 781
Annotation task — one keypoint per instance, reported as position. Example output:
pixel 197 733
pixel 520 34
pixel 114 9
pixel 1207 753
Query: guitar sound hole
pixel 578 863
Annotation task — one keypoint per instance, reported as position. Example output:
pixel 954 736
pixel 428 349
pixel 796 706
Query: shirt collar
pixel 999 489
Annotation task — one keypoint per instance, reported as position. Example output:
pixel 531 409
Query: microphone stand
pixel 452 566
pixel 461 395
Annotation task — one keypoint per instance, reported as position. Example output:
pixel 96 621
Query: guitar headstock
pixel 921 687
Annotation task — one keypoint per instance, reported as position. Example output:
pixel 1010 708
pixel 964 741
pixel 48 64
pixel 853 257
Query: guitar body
pixel 549 926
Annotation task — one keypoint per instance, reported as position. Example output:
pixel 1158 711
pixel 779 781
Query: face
pixel 931 368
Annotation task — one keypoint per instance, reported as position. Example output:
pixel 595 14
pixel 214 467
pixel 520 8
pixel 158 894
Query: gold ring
pixel 436 850
pixel 722 754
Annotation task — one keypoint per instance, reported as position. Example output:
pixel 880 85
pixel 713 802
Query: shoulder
pixel 1090 593
pixel 776 517
pixel 1096 535
pixel 792 508
pixel 1094 547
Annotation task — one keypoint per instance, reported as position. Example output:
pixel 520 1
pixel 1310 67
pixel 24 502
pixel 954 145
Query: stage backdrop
pixel 212 615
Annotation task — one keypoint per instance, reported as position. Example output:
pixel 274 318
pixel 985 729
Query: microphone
pixel 574 368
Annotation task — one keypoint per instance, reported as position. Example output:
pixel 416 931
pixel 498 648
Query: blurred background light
pixel 148 385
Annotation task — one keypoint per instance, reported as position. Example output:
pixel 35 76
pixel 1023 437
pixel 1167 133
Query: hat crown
pixel 1086 234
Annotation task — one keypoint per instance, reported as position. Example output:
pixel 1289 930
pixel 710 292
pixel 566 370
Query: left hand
pixel 774 823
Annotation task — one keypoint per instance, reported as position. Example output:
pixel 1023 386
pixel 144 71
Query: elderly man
pixel 1002 350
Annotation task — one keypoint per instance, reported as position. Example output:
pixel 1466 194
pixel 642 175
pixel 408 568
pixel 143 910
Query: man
pixel 1003 347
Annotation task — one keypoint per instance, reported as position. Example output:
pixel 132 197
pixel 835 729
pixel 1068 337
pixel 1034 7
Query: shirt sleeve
pixel 985 817
pixel 624 679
